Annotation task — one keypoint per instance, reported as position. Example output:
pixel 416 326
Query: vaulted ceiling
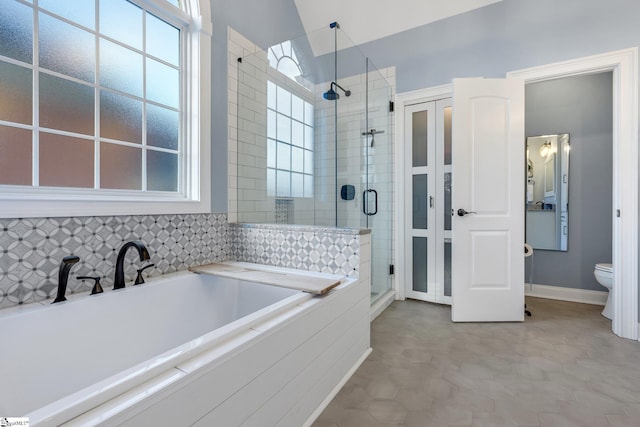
pixel 367 20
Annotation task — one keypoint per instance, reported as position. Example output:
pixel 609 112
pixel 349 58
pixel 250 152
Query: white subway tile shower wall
pixel 31 249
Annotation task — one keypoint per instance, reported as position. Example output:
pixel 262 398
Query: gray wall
pixel 582 107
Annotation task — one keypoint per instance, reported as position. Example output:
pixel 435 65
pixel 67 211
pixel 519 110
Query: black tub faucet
pixel 118 281
pixel 63 276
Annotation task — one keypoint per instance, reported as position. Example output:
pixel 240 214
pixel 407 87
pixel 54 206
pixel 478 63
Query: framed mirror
pixel 547 193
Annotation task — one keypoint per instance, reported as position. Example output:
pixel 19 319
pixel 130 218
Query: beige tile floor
pixel 562 367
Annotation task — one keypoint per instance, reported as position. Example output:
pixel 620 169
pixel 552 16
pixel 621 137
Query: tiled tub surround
pixel 31 249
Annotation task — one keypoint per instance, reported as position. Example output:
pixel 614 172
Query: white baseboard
pixel 381 304
pixel 315 414
pixel 566 294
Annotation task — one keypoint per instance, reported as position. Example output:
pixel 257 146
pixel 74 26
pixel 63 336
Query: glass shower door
pixel 377 206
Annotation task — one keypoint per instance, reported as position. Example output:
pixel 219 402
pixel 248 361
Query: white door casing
pixel 488 166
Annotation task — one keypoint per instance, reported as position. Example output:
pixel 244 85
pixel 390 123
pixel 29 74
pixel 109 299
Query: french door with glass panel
pixel 428 197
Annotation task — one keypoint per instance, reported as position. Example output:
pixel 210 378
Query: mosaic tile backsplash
pixel 31 249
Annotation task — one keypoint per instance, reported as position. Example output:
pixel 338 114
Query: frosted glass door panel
pixel 447 201
pixel 162 171
pixel 120 117
pixel 16 31
pixel 77 168
pixel 420 202
pixel 419 140
pixel 66 49
pixel 420 265
pixel 16 87
pixel 15 156
pixel 120 167
pixel 66 105
pixel 447 268
pixel 447 135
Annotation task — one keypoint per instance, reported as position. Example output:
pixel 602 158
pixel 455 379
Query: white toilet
pixel 604 276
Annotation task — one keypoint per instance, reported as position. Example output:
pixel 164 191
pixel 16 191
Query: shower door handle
pixel 365 202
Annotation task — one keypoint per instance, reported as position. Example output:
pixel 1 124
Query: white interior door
pixel 488 201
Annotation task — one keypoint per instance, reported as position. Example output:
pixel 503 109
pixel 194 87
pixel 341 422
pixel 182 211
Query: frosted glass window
pixel 420 283
pixel 163 84
pixel 284 156
pixel 16 31
pixel 121 20
pixel 15 156
pixel 120 68
pixel 66 105
pixel 308 137
pixel 271 153
pixel 271 182
pixel 297 108
pixel 66 49
pixel 120 117
pixel 120 167
pixel 271 124
pixel 16 89
pixel 308 162
pixel 284 128
pixel 163 40
pixel 308 186
pixel 284 101
pixel 308 114
pixel 162 171
pixel 297 159
pixel 163 127
pixel 297 133
pixel 77 168
pixel 283 180
pixel 81 11
pixel 271 95
pixel 291 151
pixel 121 53
pixel 420 204
pixel 297 185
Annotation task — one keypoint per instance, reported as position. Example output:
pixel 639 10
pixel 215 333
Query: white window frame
pixel 21 201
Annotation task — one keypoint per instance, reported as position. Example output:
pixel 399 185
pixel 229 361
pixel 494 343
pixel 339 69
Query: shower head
pixel 332 94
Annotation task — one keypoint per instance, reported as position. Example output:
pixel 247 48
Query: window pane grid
pixel 289 144
pixel 62 78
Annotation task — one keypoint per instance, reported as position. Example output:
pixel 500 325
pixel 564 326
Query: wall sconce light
pixel 545 149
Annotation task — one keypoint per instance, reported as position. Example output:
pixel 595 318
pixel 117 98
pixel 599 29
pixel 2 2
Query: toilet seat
pixel 606 268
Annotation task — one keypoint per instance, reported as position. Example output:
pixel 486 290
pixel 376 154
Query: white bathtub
pixel 119 357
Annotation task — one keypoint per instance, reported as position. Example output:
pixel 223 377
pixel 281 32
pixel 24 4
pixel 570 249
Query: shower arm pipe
pixel 346 91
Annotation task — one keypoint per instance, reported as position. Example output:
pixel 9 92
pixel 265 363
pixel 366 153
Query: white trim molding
pixel 584 296
pixel 624 66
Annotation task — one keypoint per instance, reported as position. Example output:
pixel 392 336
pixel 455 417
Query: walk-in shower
pixel 308 110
